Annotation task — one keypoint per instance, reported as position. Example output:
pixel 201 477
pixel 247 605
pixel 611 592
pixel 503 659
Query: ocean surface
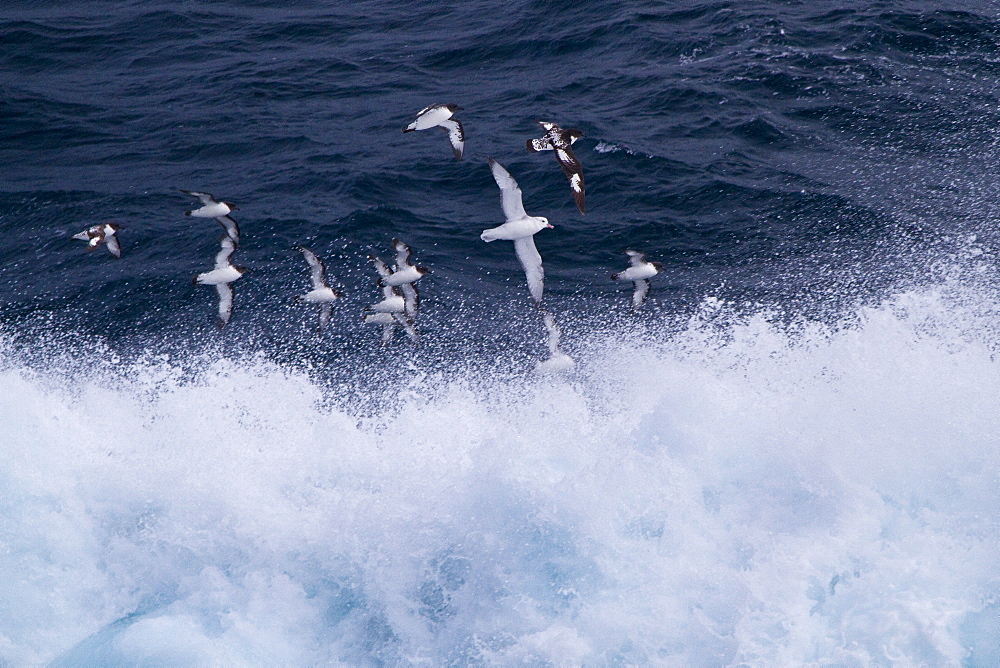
pixel 789 456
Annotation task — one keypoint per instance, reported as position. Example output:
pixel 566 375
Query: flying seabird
pixel 519 228
pixel 558 360
pixel 391 310
pixel 218 210
pixel 221 276
pixel 404 275
pixel 440 116
pixel 543 143
pixel 560 141
pixel 105 232
pixel 639 272
pixel 321 293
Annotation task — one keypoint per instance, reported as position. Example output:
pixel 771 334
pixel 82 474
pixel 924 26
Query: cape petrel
pixel 103 233
pixel 560 140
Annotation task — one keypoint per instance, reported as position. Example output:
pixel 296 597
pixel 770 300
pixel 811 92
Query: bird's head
pixel 232 206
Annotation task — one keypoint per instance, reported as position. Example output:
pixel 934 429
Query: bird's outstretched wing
pixel 411 298
pixel 227 246
pixel 640 293
pixel 206 198
pixel 456 135
pixel 381 267
pixel 113 246
pixel 635 258
pixel 510 192
pixel 402 253
pixel 225 291
pixel 232 229
pixel 325 314
pixel 531 261
pixel 317 270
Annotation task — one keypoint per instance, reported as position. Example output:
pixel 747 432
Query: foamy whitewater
pixel 743 491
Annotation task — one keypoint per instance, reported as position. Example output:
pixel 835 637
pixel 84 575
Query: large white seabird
pixel 519 228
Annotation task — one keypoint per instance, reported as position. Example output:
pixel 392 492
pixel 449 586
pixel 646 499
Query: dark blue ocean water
pixel 795 153
pixel 796 165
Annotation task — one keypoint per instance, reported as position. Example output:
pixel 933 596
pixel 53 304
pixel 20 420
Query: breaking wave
pixel 742 490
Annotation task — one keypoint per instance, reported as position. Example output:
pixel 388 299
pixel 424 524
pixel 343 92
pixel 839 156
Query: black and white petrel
pixel 321 292
pixel 391 311
pixel 103 233
pixel 221 277
pixel 560 140
pixel 440 116
pixel 519 228
pixel 218 210
pixel 392 301
pixel 404 275
pixel 639 272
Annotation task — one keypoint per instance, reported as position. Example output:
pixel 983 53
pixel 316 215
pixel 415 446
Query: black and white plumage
pixel 543 143
pixel 218 210
pixel 392 310
pixel 519 228
pixel 321 292
pixel 403 253
pixel 441 116
pixel 560 141
pixel 381 268
pixel 232 229
pixel 221 277
pixel 639 272
pixel 558 361
pixel 392 301
pixel 404 275
pixel 105 233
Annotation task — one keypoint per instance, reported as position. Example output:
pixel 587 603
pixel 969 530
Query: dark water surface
pixel 794 153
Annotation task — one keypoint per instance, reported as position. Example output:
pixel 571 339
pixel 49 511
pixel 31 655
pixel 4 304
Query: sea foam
pixel 744 490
